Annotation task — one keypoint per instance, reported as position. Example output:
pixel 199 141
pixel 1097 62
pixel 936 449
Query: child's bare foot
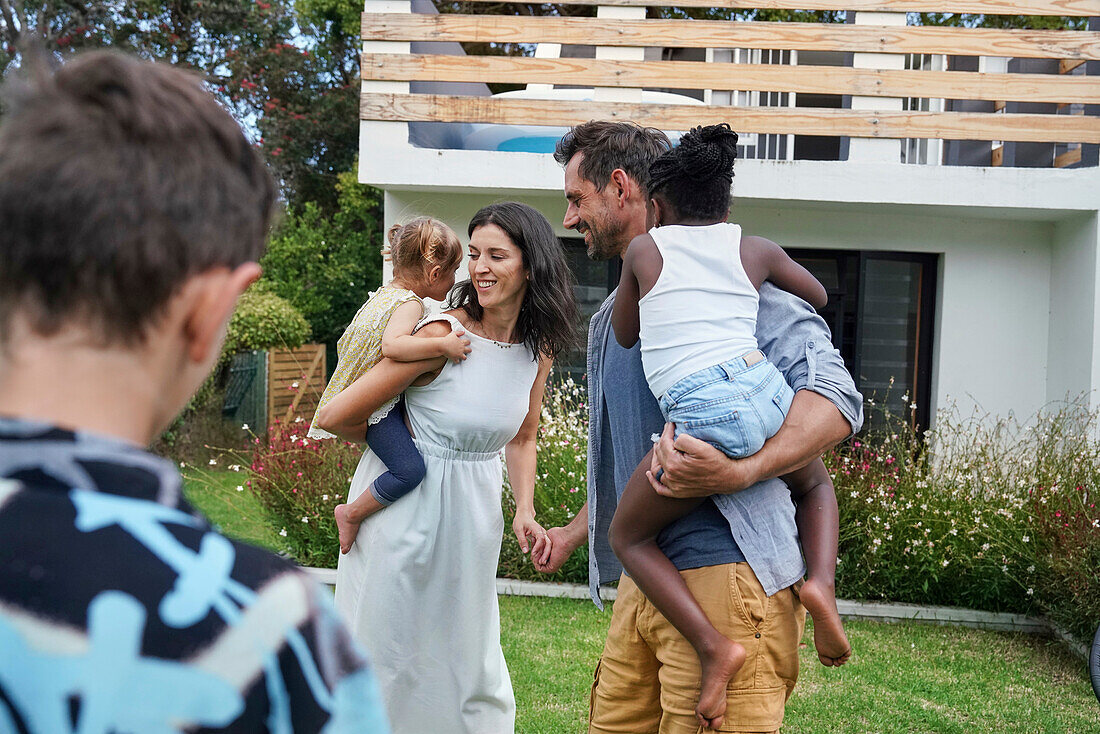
pixel 832 644
pixel 718 668
pixel 346 527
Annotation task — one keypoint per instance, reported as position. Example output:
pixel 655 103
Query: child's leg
pixel 818 525
pixel 641 514
pixel 390 440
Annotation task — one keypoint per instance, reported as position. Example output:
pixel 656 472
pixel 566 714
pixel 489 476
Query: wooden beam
pixel 732 34
pixel 1065 66
pixel 1068 158
pixel 743 77
pixel 781 120
pixel 1076 8
pixel 307 378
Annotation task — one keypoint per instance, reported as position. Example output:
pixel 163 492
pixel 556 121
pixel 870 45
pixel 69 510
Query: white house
pixel 961 267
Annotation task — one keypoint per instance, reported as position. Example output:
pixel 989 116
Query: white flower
pixel 985 546
pixel 305 520
pixel 1031 569
pixel 945 562
pixel 182 465
pixel 244 426
pixel 299 418
pixel 294 384
pixel 283 532
pixel 213 462
pixel 1026 539
pixel 234 467
pixel 240 488
pixel 324 497
pixel 876 541
pixel 1030 592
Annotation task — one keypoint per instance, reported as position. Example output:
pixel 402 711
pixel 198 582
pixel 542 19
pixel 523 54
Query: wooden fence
pixel 295 382
pixel 1071 90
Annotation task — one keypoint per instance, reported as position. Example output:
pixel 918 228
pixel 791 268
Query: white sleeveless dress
pixel 418 588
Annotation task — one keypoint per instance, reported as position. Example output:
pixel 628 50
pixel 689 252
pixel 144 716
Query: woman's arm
pixel 346 414
pixel 520 454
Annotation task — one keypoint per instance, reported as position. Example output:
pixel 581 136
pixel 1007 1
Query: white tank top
pixel 702 309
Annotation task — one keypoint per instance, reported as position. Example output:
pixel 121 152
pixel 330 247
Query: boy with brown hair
pixel 132 213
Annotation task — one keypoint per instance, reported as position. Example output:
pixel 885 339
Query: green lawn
pixel 902 678
pixel 213 491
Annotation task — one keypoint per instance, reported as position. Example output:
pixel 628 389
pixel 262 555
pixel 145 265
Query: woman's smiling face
pixel 496 267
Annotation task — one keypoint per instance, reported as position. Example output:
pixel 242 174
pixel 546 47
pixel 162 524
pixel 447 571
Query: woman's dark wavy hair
pixel 548 316
pixel 695 176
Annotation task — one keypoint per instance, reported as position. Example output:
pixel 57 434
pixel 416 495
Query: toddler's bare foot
pixel 832 644
pixel 346 527
pixel 718 668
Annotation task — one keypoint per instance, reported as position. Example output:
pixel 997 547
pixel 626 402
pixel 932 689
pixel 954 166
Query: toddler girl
pixel 425 253
pixel 690 291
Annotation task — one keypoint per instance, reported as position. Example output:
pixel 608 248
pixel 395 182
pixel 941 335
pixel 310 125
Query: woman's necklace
pixel 481 331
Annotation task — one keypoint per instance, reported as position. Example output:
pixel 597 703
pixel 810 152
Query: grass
pixel 904 678
pixel 237 513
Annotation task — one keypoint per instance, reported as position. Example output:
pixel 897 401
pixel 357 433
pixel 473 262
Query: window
pixel 880 311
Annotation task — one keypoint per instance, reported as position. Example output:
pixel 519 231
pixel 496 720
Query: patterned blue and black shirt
pixel 123 610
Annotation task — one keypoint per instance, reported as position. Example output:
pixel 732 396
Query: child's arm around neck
pixel 641 267
pixel 765 260
pixel 400 345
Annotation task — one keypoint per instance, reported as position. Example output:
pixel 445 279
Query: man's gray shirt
pixel 761 518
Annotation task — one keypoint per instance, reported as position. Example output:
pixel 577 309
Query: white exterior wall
pixel 1017 319
pixel 1073 351
pixel 993 290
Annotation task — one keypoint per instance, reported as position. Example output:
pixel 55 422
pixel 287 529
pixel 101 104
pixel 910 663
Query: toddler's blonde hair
pixel 421 244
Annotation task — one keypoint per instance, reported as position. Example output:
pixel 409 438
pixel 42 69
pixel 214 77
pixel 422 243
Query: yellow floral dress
pixel 360 348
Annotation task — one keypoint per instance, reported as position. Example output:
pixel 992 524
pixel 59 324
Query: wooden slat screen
pixel 745 77
pixel 1068 89
pixel 295 378
pixel 1041 44
pixel 1070 8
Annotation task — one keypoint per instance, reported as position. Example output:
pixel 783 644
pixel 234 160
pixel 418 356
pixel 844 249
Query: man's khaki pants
pixel 647 680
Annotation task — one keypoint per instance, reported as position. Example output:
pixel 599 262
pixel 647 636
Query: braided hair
pixel 695 176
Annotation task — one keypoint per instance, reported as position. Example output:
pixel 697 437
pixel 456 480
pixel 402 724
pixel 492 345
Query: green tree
pixel 326 266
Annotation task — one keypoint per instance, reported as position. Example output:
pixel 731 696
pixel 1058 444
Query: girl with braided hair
pixel 425 254
pixel 690 291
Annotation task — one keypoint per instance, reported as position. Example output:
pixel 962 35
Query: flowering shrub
pixel 560 484
pixel 998 516
pixel 299 481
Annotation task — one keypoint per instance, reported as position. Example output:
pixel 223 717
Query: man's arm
pixel 694 468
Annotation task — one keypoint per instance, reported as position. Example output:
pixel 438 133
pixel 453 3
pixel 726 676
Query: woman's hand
pixel 528 531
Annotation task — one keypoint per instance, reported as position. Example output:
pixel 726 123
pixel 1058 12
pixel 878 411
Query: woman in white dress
pixel 418 588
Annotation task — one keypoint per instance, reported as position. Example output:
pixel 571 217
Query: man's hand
pixel 551 552
pixel 694 468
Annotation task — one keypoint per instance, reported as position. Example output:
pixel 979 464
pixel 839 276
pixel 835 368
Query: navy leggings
pixel 390 440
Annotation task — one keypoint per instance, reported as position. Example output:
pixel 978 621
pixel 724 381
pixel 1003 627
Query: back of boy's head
pixel 416 247
pixel 119 180
pixel 695 176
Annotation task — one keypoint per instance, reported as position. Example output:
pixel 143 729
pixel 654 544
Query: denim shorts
pixel 732 406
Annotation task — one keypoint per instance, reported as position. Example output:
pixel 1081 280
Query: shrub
pixel 326 265
pixel 999 516
pixel 299 481
pixel 560 484
pixel 264 320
